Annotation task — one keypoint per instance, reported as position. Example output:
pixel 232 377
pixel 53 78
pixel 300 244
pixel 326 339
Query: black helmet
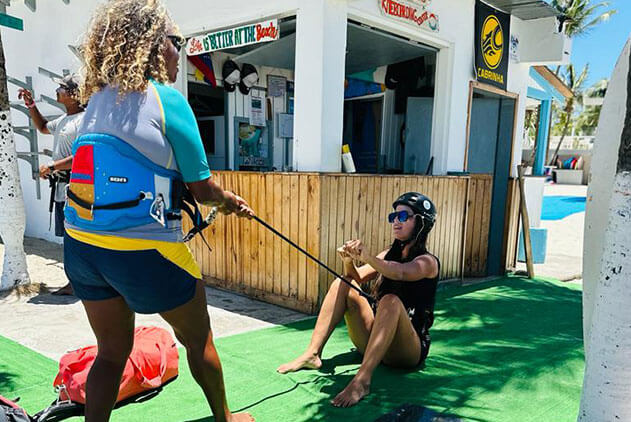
pixel 421 205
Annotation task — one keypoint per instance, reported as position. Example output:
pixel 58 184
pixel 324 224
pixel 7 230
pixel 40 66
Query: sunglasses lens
pixel 401 215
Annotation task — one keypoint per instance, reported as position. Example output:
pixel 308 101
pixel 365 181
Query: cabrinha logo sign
pixel 412 13
pixel 492 37
pixel 492 42
pixel 234 37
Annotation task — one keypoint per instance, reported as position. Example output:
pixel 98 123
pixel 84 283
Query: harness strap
pixel 180 196
pixel 51 202
pixel 114 206
pixel 189 206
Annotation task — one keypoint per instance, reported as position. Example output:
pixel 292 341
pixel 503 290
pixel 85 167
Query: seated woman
pixel 395 331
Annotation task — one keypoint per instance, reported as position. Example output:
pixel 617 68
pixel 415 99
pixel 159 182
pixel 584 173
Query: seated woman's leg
pixel 392 340
pixel 340 301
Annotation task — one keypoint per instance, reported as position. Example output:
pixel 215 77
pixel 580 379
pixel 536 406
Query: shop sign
pixel 234 37
pixel 411 13
pixel 492 44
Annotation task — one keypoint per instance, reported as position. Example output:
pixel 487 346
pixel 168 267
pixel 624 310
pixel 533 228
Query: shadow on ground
pixel 507 350
pixel 494 345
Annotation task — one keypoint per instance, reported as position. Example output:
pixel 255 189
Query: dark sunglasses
pixel 177 41
pixel 402 216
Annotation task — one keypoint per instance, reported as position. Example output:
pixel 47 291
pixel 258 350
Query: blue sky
pixel 602 46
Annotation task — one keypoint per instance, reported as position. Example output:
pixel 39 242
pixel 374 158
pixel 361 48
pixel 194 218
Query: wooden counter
pixel 320 211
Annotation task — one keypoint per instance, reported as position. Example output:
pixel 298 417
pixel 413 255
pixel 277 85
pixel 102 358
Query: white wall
pixel 544 46
pixel 319 102
pixel 47 32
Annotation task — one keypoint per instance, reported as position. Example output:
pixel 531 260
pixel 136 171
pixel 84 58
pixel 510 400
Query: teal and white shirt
pixel 158 123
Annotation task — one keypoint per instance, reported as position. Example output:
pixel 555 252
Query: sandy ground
pixel 564 253
pixel 53 325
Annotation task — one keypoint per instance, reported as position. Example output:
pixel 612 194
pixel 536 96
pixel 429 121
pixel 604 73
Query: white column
pixel 12 214
pixel 601 181
pixel 319 85
pixel 447 149
pixel 606 385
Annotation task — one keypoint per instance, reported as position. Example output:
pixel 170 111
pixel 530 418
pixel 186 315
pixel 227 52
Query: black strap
pixel 51 202
pixel 114 206
pixel 188 204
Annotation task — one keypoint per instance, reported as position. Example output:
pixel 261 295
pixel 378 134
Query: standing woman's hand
pixel 235 204
pixel 243 209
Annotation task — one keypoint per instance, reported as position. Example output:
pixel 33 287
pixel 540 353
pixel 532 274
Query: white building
pixel 325 49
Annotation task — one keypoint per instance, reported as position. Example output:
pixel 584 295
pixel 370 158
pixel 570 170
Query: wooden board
pixel 477 226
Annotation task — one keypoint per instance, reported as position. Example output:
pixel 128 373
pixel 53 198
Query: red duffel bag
pixel 153 362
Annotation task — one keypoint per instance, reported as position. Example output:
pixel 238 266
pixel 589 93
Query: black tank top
pixel 418 297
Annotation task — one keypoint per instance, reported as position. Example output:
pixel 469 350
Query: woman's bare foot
pixel 353 393
pixel 241 417
pixel 304 361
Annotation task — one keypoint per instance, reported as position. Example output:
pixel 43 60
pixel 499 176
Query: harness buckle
pixel 59 390
pixel 156 211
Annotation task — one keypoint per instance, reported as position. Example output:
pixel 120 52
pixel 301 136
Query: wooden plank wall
pixel 250 259
pixel 358 208
pixel 319 212
pixel 478 222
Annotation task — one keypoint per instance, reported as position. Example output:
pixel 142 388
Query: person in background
pixel 64 130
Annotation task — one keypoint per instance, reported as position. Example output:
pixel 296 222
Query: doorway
pixel 362 131
pixel 492 116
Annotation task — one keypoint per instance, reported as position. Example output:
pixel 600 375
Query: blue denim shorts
pixel 147 281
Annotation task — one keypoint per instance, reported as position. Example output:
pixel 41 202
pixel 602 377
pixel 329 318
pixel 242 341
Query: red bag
pixel 152 363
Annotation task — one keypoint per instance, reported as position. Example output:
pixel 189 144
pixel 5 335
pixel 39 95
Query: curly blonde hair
pixel 123 46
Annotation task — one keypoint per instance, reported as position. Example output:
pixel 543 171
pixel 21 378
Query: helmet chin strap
pixel 408 241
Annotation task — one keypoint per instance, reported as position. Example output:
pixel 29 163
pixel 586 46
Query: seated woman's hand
pixel 356 250
pixel 343 254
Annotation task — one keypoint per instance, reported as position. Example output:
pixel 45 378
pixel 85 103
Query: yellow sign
pixel 492 39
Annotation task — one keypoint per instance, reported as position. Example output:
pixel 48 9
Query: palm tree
pixel 587 121
pixel 12 216
pixel 607 314
pixel 575 83
pixel 578 17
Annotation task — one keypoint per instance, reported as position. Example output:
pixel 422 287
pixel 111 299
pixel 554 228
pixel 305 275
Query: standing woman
pixel 395 331
pixel 137 153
